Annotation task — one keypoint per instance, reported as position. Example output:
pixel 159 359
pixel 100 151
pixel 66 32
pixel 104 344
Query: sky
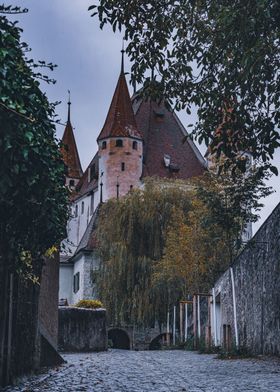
pixel 88 64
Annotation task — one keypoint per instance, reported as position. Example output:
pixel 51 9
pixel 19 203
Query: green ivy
pixel 33 198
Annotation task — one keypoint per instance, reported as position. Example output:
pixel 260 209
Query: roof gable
pixel 164 135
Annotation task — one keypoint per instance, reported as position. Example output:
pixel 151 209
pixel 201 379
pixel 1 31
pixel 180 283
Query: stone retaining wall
pixel 82 329
pixel 257 285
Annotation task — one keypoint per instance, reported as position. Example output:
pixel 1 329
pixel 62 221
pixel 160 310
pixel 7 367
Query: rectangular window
pixel 76 282
pixel 123 166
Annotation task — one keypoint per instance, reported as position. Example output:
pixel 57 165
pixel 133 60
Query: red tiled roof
pixel 163 134
pixel 120 119
pixel 70 152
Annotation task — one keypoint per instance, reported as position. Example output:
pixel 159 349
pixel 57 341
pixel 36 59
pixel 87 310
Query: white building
pixel 139 139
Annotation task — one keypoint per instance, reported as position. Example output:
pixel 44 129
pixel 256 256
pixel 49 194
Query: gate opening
pixel 117 338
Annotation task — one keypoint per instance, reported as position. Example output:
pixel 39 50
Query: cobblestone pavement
pixel 159 371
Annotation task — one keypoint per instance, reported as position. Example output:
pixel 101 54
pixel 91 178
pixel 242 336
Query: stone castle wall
pixel 257 285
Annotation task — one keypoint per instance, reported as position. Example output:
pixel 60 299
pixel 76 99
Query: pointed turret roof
pixel 120 120
pixel 69 150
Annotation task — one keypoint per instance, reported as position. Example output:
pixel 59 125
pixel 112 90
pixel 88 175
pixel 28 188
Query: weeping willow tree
pixel 171 239
pixel 132 235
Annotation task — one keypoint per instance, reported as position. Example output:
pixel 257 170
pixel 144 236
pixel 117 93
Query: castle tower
pixel 70 154
pixel 120 146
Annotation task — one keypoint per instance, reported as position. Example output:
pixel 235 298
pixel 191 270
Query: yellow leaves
pixel 51 252
pixel 25 268
pixel 190 255
pixel 89 304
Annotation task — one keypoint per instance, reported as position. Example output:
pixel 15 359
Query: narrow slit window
pixel 123 166
pixel 92 203
pixel 83 207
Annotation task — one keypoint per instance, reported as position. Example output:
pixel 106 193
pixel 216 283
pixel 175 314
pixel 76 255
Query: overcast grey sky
pixel 88 59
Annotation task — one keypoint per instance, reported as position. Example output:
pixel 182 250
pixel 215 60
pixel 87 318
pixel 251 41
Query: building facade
pixel 140 138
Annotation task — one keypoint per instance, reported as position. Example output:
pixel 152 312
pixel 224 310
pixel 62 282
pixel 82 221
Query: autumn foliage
pixel 170 239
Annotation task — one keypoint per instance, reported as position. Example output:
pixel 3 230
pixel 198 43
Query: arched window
pixel 119 143
pixel 104 145
pixel 83 207
pixel 123 166
pixel 134 145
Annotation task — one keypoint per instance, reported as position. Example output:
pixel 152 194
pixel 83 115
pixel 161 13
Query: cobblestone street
pixel 159 371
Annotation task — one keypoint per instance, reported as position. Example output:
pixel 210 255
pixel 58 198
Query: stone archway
pixel 159 341
pixel 119 338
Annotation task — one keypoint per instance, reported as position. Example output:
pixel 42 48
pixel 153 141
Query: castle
pixel 140 138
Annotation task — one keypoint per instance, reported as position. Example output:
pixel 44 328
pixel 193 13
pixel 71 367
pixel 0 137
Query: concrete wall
pixel 82 329
pixel 91 268
pixel 78 267
pixel 48 300
pixel 66 282
pixel 32 324
pixel 257 285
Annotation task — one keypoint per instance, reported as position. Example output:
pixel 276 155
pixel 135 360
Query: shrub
pixel 89 304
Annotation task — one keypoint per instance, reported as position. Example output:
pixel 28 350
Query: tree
pixel 33 199
pixel 233 202
pixel 171 239
pixel 203 244
pixel 215 54
pixel 131 247
pixel 195 253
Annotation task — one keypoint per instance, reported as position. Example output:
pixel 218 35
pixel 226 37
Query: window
pixel 123 166
pixel 71 183
pixel 76 282
pixel 76 211
pixel 119 143
pixel 134 145
pixel 83 207
pixel 104 145
pixel 92 203
pixel 92 172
